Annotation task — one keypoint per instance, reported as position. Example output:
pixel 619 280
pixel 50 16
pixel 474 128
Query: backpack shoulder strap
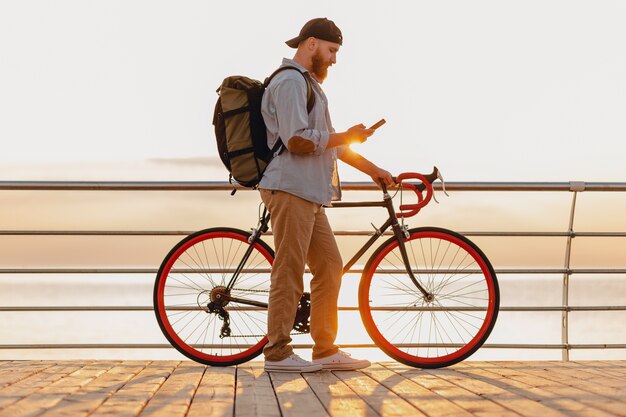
pixel 310 101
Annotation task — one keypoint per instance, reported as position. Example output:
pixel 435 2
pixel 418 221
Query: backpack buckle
pixel 279 151
pixel 230 180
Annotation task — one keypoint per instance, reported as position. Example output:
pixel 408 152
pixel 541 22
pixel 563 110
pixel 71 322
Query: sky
pixel 486 90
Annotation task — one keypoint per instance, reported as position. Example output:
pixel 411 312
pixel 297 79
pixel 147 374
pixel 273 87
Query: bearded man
pixel 297 184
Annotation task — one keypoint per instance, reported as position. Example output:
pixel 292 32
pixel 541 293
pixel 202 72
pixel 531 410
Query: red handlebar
pixel 412 209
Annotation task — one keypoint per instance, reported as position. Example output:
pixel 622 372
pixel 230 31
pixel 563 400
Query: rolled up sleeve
pixel 290 98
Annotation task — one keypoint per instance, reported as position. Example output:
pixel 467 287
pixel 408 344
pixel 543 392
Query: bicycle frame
pixel 443 318
pixel 392 221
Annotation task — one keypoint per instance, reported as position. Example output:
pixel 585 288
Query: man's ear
pixel 311 44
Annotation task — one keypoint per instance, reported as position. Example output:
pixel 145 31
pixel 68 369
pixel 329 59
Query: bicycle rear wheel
pixel 423 332
pixel 196 272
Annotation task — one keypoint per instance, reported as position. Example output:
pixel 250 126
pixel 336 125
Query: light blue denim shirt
pixel 312 176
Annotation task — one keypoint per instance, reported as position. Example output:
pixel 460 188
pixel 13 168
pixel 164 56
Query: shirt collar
pixel 291 62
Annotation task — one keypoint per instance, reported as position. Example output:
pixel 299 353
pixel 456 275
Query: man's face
pixel 324 56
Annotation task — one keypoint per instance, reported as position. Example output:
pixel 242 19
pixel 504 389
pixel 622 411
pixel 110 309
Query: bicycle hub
pixel 220 296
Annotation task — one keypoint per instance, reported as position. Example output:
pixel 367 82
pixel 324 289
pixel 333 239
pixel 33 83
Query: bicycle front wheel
pixel 190 288
pixel 437 330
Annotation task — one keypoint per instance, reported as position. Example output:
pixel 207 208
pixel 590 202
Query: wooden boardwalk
pixel 145 388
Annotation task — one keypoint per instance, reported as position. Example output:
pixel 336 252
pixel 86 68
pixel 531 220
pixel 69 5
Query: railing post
pixel 575 187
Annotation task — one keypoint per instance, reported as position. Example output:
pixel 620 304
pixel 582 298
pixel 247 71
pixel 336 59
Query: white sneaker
pixel 294 363
pixel 342 361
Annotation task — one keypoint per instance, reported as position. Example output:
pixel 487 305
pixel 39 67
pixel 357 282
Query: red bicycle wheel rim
pixel 455 356
pixel 166 325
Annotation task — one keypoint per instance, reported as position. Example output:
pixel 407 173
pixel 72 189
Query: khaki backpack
pixel 240 130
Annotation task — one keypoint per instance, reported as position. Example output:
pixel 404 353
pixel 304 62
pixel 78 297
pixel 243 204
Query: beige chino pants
pixel 302 235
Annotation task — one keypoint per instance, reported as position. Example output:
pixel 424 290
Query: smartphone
pixel 378 124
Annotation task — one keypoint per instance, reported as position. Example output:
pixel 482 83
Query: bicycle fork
pixel 399 233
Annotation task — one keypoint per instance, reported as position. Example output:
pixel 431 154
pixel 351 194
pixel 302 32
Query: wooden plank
pixel 52 390
pixel 429 402
pixel 89 397
pixel 14 373
pixel 9 367
pixel 336 397
pixel 255 395
pixel 611 368
pixel 19 364
pixel 33 405
pixel 131 399
pixel 295 397
pixel 73 381
pixel 490 389
pixel 215 395
pixel 6 400
pixel 115 378
pixel 508 379
pixel 608 387
pixel 174 396
pixel 560 387
pixel 589 374
pixel 56 373
pixel 378 397
pixel 31 384
pixel 464 398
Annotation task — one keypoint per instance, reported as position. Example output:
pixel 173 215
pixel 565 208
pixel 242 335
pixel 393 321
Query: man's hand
pixel 359 133
pixel 356 134
pixel 381 176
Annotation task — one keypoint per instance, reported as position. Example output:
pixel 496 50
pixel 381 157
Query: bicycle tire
pixel 188 278
pixel 446 330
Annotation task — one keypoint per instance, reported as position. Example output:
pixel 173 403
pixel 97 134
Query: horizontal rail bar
pixel 300 346
pixel 352 271
pixel 95 233
pixel 150 308
pixel 352 185
pixel 269 233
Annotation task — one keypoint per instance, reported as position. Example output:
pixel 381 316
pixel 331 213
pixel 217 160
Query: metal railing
pixel 572 187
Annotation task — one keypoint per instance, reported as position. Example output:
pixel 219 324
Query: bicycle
pixel 428 297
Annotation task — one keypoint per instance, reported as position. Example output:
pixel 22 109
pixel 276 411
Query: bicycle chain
pixel 262 335
pixel 249 290
pixel 258 335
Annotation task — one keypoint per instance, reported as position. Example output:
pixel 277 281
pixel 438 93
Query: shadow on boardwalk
pixel 166 388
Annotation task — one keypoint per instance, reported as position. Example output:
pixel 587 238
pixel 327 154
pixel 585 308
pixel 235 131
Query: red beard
pixel 320 67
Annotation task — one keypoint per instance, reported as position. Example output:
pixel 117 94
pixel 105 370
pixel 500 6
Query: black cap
pixel 320 28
